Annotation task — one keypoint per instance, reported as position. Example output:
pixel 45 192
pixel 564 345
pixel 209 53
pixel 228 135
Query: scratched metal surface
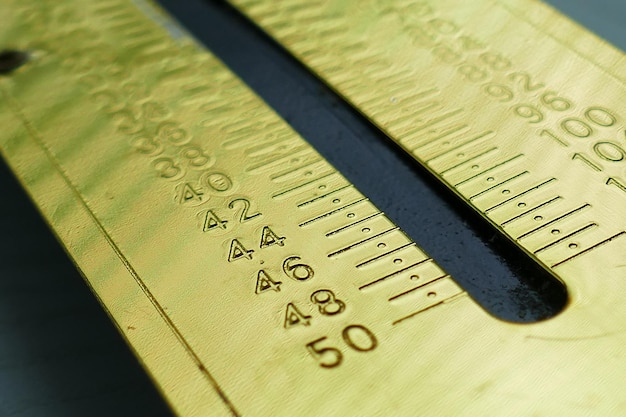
pixel 59 354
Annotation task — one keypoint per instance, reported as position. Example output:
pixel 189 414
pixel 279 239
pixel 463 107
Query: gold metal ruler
pixel 250 277
pixel 520 113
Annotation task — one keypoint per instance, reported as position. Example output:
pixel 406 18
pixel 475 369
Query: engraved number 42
pixel 241 206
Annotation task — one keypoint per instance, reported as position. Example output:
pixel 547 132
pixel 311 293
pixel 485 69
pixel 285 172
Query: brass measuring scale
pixel 350 302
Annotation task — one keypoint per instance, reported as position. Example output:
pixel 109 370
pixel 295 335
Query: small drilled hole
pixel 11 59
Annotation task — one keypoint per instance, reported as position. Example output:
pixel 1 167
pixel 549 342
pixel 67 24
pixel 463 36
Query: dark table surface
pixel 59 353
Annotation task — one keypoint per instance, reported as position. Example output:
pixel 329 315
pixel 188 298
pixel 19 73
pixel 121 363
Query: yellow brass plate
pixel 248 275
pixel 520 112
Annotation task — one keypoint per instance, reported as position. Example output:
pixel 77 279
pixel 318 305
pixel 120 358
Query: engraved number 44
pixel 268 238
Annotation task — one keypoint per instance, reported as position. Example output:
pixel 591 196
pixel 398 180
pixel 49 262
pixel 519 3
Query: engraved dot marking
pixel 521 205
pixel 490 179
pixel 336 201
pixel 555 231
pixel 414 277
pixel 11 59
pixel 350 215
pixel 538 218
pixel 308 173
pixel 114 71
pixel 446 143
pixel 322 187
pixel 475 167
pixel 366 230
pixel 393 100
pixel 397 261
pixel 295 160
pixel 460 155
pixel 506 191
pixel 573 245
pixel 382 245
pixel 432 294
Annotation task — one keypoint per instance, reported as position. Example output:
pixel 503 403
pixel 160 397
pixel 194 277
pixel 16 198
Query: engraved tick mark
pixel 11 59
pixel 567 237
pixel 597 245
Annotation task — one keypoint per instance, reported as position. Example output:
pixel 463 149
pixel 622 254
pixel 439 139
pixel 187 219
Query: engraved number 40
pixel 357 337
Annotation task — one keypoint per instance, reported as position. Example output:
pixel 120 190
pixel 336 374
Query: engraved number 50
pixel 357 337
